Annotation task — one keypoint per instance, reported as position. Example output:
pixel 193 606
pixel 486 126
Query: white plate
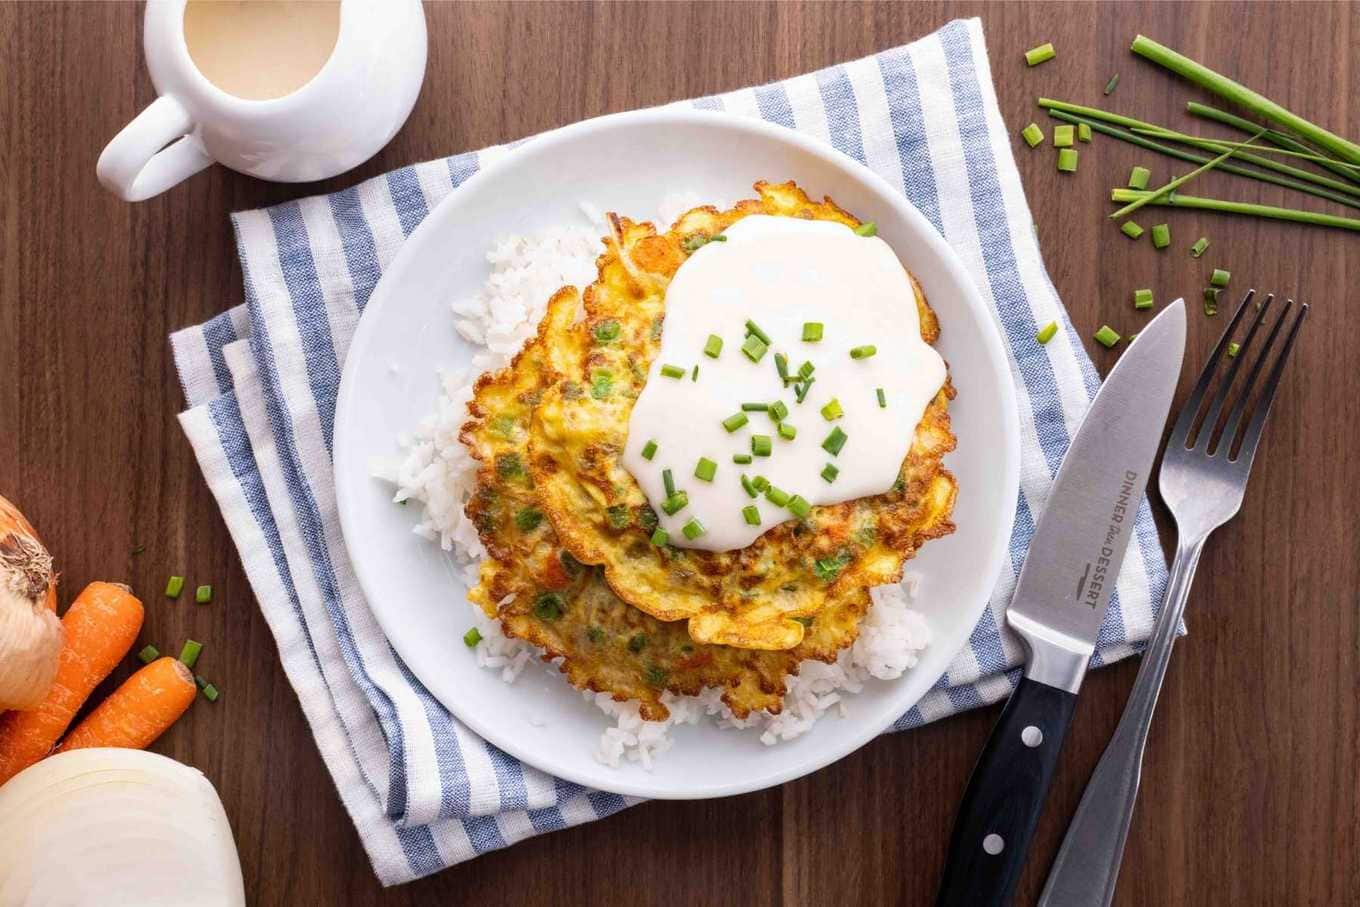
pixel 628 163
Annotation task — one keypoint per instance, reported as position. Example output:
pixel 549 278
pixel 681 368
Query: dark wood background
pixel 1250 790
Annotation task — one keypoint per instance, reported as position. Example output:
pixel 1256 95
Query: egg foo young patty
pixel 761 596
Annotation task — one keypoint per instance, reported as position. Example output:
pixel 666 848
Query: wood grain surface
pixel 1251 790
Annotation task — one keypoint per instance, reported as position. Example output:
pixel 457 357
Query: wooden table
pixel 1252 780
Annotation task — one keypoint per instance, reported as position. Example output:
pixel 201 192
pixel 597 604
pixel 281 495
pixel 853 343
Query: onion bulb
pixel 30 634
pixel 115 826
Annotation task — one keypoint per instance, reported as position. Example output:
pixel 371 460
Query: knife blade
pixel 1058 606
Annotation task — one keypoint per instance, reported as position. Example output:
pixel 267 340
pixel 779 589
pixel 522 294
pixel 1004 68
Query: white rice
pixel 436 471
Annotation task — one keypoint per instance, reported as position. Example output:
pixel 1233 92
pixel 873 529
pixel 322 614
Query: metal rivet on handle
pixel 993 844
pixel 1031 736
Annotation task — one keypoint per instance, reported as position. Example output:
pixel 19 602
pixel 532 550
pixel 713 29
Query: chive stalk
pixel 1176 200
pixel 1213 144
pixel 1195 108
pixel 1175 184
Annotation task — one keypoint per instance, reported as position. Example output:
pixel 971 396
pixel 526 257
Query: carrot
pixel 100 626
pixel 139 711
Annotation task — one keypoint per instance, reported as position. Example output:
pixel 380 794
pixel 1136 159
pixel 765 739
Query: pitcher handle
pixel 144 158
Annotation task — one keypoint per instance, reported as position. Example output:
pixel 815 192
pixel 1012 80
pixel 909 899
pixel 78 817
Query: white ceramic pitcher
pixel 348 110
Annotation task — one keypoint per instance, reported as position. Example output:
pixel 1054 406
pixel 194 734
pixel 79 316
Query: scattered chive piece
pixel 189 654
pixel 1032 134
pixel 675 503
pixel 148 655
pixel 1067 160
pixel 705 469
pixel 754 348
pixel 601 383
pixel 549 606
pixel 799 506
pixel 882 398
pixel 1138 177
pixel 203 594
pixel 734 422
pixel 210 693
pixel 741 459
pixel 174 587
pixel 834 441
pixel 672 371
pixel 812 331
pixel 1064 135
pixel 754 329
pixel 779 411
pixel 1233 348
pixel 607 330
pixel 781 365
pixel 755 407
pixel 863 352
pixel 200 681
pixel 1220 278
pixel 1133 337
pixel 751 514
pixel 749 487
pixel 1046 332
pixel 777 496
pixel 805 370
pixel 649 450
pixel 832 411
pixel 868 228
pixel 1161 236
pixel 1040 54
pixel 1198 248
pixel 1083 132
pixel 1199 203
pixel 713 346
pixel 1106 336
pixel 1109 86
pixel 637 642
pixel 829 472
pixel 472 637
pixel 668 480
pixel 760 483
pixel 694 375
pixel 760 445
pixel 1131 230
pixel 1211 296
pixel 787 431
pixel 800 392
pixel 660 537
pixel 1142 299
pixel 693 529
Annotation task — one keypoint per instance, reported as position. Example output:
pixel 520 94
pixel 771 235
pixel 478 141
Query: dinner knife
pixel 1057 609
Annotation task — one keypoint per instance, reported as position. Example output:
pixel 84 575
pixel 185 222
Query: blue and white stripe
pixel 261 383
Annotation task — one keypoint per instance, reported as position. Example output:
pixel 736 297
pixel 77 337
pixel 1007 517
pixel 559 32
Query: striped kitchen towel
pixel 261 382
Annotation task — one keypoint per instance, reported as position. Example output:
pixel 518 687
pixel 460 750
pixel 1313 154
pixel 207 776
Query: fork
pixel 1204 474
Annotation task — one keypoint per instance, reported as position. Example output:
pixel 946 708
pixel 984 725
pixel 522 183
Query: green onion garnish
pixel 778 411
pixel 1064 135
pixel 735 421
pixel 761 445
pixel 801 391
pixel 863 352
pixel 805 370
pixel 705 469
pixel 799 506
pixel 637 642
pixel 1220 278
pixel 1040 54
pixel 200 681
pixel 1142 299
pixel 755 407
pixel 754 348
pixel 777 496
pixel 668 480
pixel 694 375
pixel 829 472
pixel 834 441
pixel 210 693
pixel 649 450
pixel 1083 132
pixel 749 487
pixel 1131 230
pixel 672 371
pixel 1233 348
pixel 660 537
pixel 1032 134
pixel 713 346
pixel 751 514
pixel 760 483
pixel 601 383
pixel 1161 236
pixel 675 503
pixel 1067 160
pixel 741 459
pixel 1138 177
pixel 1046 332
pixel 754 329
pixel 1106 336
pixel 189 654
pixel 787 431
pixel 812 331
pixel 868 228
pixel 693 529
pixel 174 587
pixel 148 655
pixel 781 365
pixel 549 606
pixel 607 330
pixel 1198 248
pixel 203 594
pixel 832 411
pixel 1211 297
pixel 472 637
pixel 882 398
pixel 1109 86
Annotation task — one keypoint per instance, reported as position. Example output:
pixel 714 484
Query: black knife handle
pixel 1005 796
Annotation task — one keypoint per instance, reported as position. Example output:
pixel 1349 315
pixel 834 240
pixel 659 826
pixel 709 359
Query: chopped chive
pixel 472 637
pixel 1032 134
pixel 755 407
pixel 749 487
pixel 781 365
pixel 801 391
pixel 1220 278
pixel 1131 230
pixel 1233 348
pixel 203 594
pixel 1083 132
pixel 668 481
pixel 210 693
pixel 760 445
pixel 1138 177
pixel 713 346
pixel 1067 160
pixel 675 503
pixel 148 655
pixel 174 587
pixel 637 642
pixel 1198 248
pixel 649 450
pixel 812 331
pixel 751 514
pixel 1046 332
pixel 741 459
pixel 1106 336
pixel 705 469
pixel 549 606
pixel 805 370
pixel 607 330
pixel 672 371
pixel 1142 299
pixel 787 431
pixel 868 228
pixel 754 329
pixel 1110 85
pixel 1064 135
pixel 660 537
pixel 834 441
pixel 863 352
pixel 735 421
pixel 760 483
pixel 799 506
pixel 779 411
pixel 832 411
pixel 693 529
pixel 754 348
pixel 1161 236
pixel 694 375
pixel 882 398
pixel 601 383
pixel 829 472
pixel 1041 54
pixel 189 654
pixel 777 496
pixel 1211 297
pixel 200 681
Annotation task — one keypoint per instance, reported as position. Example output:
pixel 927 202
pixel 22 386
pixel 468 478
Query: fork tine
pixel 1240 404
pixel 1206 431
pixel 1258 418
pixel 1186 420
